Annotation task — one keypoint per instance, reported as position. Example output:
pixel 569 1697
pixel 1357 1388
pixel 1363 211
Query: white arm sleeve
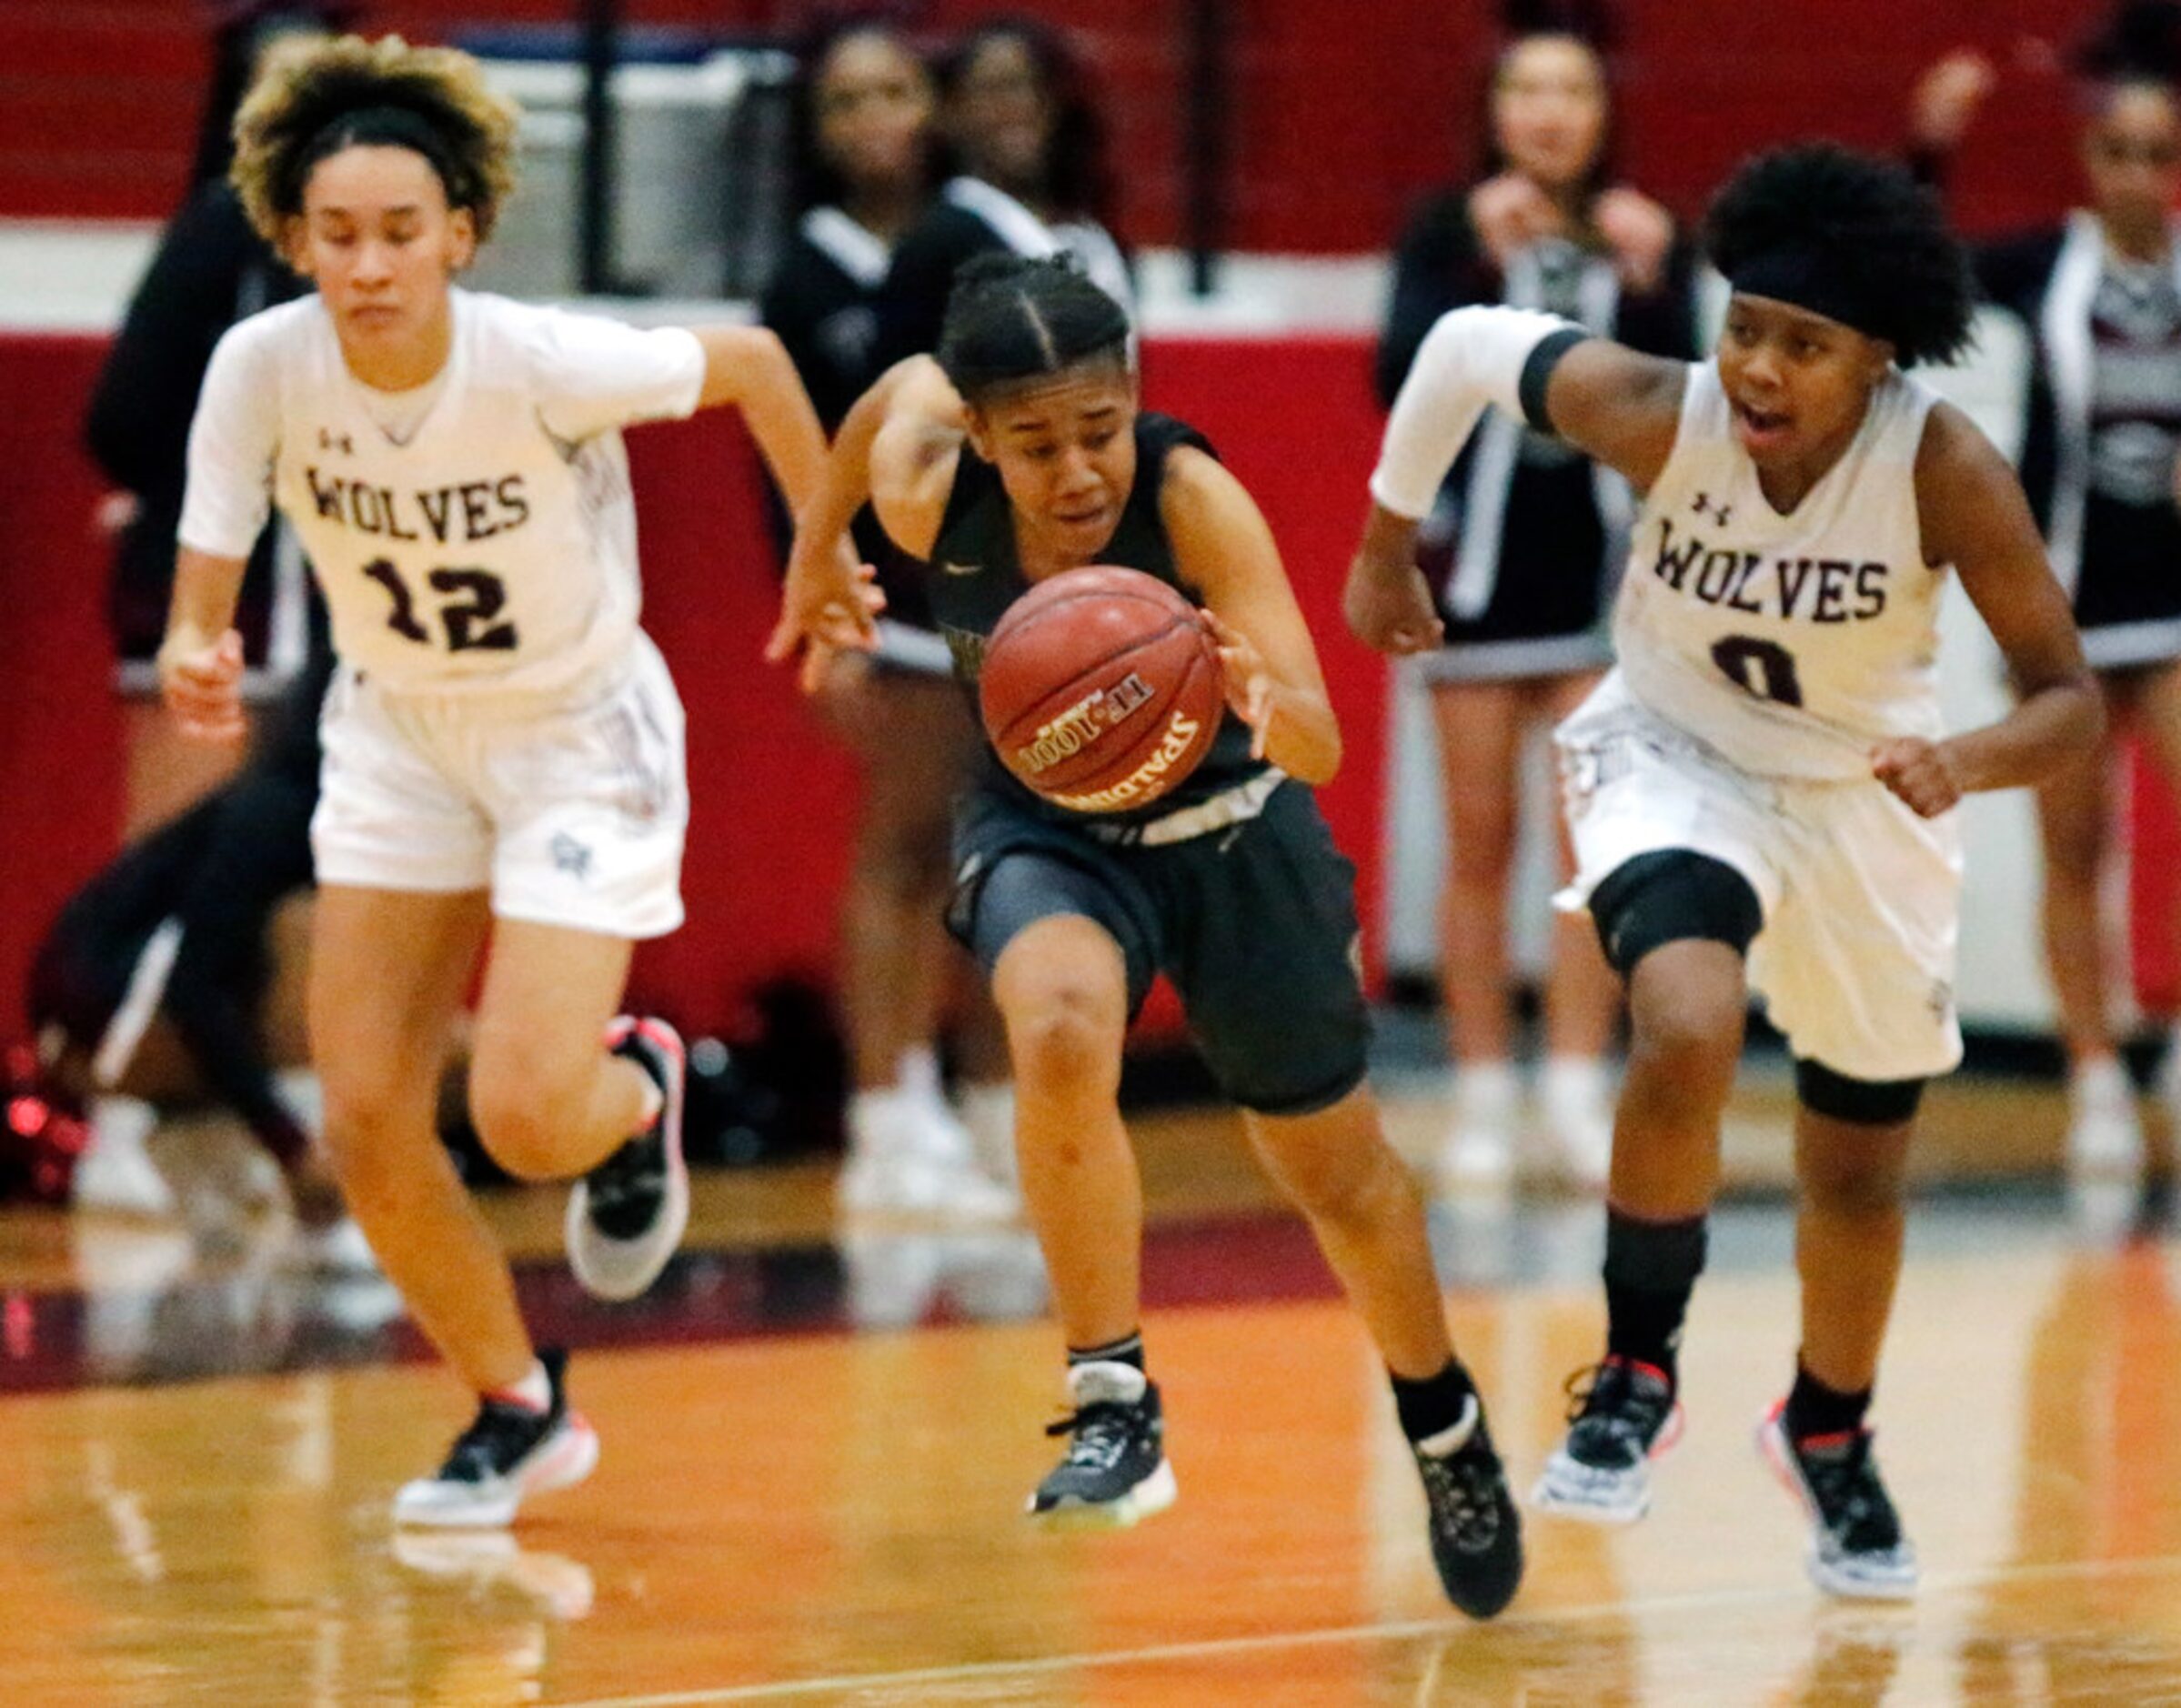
pixel 1471 358
pixel 233 439
pixel 595 374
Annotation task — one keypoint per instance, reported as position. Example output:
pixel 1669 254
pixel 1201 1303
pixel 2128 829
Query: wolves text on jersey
pixel 1813 590
pixel 473 510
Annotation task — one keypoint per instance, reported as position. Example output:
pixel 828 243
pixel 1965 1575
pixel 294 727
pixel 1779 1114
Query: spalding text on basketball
pixel 1180 735
pixel 1082 724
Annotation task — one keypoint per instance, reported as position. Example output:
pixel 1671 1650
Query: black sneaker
pixel 1476 1534
pixel 1857 1547
pixel 1115 1471
pixel 627 1215
pixel 1626 1418
pixel 511 1450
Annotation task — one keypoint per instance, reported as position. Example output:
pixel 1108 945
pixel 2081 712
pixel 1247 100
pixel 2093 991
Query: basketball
pixel 1101 688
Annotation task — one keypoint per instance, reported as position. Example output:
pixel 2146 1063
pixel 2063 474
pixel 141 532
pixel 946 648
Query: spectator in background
pixel 209 271
pixel 1547 226
pixel 1019 121
pixel 2100 299
pixel 865 161
pixel 1016 107
pixel 172 942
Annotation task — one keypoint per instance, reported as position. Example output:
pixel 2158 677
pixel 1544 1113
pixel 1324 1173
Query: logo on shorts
pixel 1941 1000
pixel 570 856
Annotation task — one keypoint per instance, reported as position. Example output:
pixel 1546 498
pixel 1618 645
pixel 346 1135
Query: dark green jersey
pixel 975 574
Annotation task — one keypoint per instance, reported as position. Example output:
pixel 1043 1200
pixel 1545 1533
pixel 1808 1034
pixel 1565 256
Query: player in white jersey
pixel 1764 775
pixel 503 746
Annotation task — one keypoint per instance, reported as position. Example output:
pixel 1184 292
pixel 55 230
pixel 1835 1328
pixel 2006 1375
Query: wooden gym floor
pixel 816 1447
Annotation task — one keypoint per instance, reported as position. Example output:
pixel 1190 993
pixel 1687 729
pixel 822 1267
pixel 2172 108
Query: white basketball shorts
pixel 1861 898
pixel 571 810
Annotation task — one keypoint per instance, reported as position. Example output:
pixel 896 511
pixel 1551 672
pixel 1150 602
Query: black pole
pixel 594 209
pixel 1204 89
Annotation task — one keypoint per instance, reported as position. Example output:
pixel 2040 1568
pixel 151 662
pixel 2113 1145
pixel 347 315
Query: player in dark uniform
pixel 1020 454
pixel 2100 299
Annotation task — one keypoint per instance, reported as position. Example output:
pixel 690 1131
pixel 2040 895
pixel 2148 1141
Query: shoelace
pixel 499 1434
pixel 1463 1494
pixel 1606 1397
pixel 1101 1431
pixel 1849 1495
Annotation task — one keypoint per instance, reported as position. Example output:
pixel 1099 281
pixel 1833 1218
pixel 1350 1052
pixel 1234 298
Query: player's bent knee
pixel 1066 1035
pixel 1673 895
pixel 1687 1030
pixel 1860 1102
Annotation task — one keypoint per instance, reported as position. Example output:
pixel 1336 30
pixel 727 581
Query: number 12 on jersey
pixel 470 600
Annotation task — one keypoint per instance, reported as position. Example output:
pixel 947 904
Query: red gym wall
pixel 1341 112
pixel 772 801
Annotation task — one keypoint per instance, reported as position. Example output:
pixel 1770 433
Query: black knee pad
pixel 1865 1103
pixel 1673 895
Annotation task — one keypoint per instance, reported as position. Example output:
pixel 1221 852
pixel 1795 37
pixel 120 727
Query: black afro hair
pixel 1886 247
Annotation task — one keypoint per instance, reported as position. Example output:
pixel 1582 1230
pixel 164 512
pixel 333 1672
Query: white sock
pixel 534 1390
pixel 1573 1076
pixel 1493 1087
pixel 917 1075
pixel 2101 1080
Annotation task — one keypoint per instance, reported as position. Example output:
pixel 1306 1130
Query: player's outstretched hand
pixel 203 687
pixel 1391 609
pixel 1249 684
pixel 1919 772
pixel 823 613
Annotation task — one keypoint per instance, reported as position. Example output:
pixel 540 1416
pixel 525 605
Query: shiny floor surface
pixel 816 1444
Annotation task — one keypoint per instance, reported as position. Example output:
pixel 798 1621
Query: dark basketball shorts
pixel 1254 924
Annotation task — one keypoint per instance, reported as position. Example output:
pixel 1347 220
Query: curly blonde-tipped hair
pixel 433 99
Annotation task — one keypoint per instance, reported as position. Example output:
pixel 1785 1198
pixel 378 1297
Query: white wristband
pixel 1471 357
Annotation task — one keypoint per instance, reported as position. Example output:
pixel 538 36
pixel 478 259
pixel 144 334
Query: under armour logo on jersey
pixel 962 568
pixel 328 440
pixel 570 856
pixel 1703 507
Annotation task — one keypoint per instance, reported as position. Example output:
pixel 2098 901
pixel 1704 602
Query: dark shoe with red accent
pixel 1856 1548
pixel 1625 1418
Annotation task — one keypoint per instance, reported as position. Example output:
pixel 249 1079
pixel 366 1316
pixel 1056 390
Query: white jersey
pixel 1790 644
pixel 475 537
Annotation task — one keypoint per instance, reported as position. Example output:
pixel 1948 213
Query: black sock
pixel 1813 1409
pixel 1430 1405
pixel 1127 1349
pixel 1651 1268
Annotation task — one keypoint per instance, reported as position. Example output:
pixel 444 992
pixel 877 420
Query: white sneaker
pixel 339 1248
pixel 987 1112
pixel 2104 1133
pixel 1478 1153
pixel 909 1157
pixel 117 1173
pixel 1574 1096
pixel 509 1452
pixel 626 1216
